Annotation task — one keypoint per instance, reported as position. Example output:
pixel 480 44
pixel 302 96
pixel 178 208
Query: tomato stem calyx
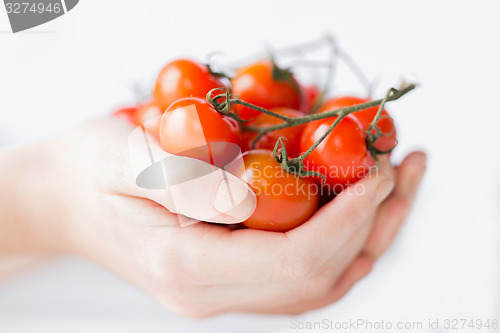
pixel 295 165
pixel 223 101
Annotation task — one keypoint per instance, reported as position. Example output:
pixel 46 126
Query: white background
pixel 444 263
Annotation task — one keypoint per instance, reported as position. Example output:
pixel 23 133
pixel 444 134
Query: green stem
pixel 373 132
pixel 295 50
pixel 296 165
pixel 349 61
pixel 308 63
pixel 394 94
pixel 258 108
pixel 317 143
pixel 308 46
pixel 332 66
pixel 375 120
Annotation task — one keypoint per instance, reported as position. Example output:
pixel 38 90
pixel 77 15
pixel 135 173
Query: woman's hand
pixel 85 201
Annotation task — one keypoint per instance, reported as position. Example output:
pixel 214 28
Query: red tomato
pixel 342 157
pixel 311 94
pixel 284 201
pixel 385 123
pixel 257 85
pixel 192 127
pixel 149 115
pixel 183 78
pixel 268 141
pixel 127 114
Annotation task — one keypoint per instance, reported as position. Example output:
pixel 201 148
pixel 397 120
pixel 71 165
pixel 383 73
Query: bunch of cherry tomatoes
pixel 285 199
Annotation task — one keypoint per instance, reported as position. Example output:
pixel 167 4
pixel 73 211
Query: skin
pixel 75 195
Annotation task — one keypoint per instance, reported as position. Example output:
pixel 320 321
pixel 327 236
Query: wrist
pixel 31 210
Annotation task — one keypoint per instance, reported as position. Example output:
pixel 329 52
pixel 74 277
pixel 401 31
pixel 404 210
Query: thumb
pixel 196 190
pixel 335 223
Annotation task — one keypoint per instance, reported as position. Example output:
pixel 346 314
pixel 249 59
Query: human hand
pixel 387 220
pixel 206 269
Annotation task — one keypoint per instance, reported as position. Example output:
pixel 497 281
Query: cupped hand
pixel 204 269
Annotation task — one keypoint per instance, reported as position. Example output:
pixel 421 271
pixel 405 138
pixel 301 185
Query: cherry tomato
pixel 342 157
pixel 183 78
pixel 149 115
pixel 385 123
pixel 192 127
pixel 311 94
pixel 127 114
pixel 268 141
pixel 284 201
pixel 258 84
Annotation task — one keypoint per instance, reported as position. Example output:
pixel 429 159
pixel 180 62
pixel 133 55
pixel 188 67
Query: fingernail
pixel 383 190
pixel 233 199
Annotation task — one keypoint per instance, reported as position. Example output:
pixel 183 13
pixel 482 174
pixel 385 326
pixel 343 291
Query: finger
pixel 279 298
pixel 288 296
pixel 360 268
pixel 222 256
pixel 259 256
pixel 338 220
pixel 343 258
pixel 187 186
pixel 397 207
